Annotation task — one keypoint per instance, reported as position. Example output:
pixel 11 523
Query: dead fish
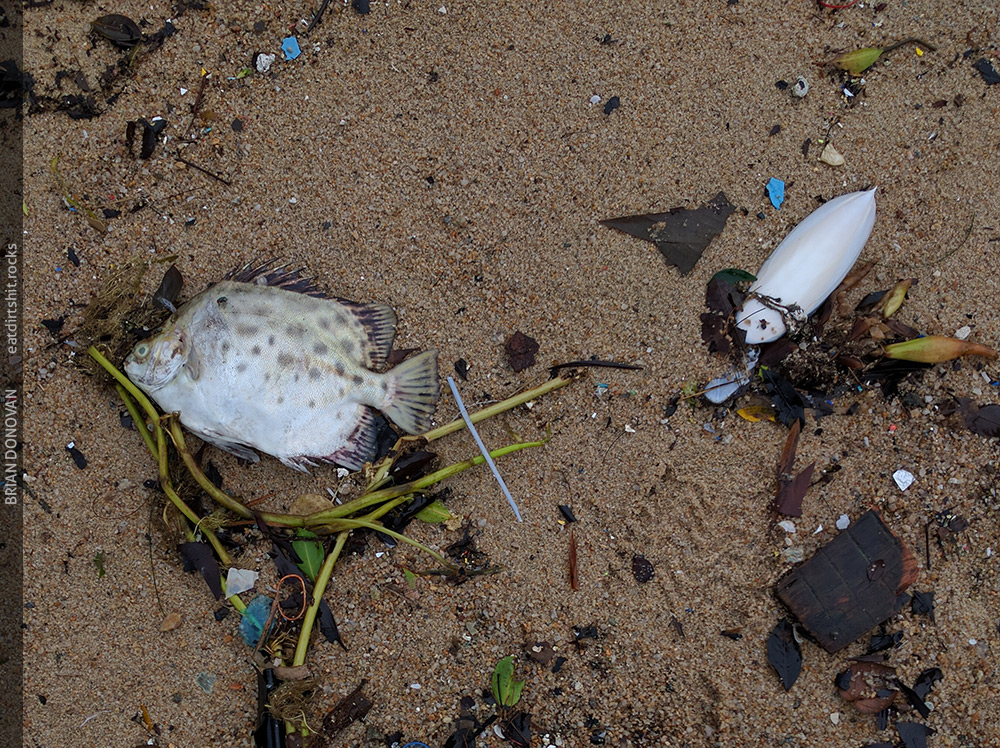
pixel 264 361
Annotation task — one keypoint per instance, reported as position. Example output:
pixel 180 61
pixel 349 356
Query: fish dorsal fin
pixel 379 322
pixel 266 273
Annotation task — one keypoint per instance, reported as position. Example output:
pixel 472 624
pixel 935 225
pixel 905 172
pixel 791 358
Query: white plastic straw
pixel 482 448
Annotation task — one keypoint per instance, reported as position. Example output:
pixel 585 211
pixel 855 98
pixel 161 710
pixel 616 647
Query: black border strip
pixel 11 375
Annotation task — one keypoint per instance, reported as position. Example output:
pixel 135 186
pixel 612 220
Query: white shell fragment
pixel 831 155
pixel 787 525
pixel 801 87
pixel 903 478
pixel 807 266
pixel 843 522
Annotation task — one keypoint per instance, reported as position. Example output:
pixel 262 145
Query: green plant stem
pixel 501 407
pixel 322 579
pixel 137 419
pixel 377 497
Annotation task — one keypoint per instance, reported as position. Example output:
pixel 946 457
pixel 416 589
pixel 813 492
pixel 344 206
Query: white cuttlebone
pixel 808 265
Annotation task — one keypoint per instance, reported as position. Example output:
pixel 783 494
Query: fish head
pixel 154 362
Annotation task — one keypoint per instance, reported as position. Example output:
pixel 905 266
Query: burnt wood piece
pixel 851 585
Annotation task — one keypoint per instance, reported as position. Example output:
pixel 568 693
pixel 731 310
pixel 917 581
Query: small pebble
pixel 843 522
pixel 787 525
pixel 963 332
pixel 903 478
pixel 831 156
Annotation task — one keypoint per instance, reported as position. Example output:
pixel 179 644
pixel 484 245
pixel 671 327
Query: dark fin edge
pixel 264 272
pixel 360 445
pixel 379 322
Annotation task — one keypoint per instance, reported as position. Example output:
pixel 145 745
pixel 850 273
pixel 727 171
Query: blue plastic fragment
pixel 416 744
pixel 254 618
pixel 776 192
pixel 206 681
pixel 290 46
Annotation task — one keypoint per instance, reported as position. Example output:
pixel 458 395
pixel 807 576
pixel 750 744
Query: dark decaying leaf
pixel 772 354
pixel 540 652
pixel 521 350
pixel 385 438
pixel 791 490
pixel 169 289
pixel 890 372
pixel 681 234
pixel 351 708
pixel 913 734
pixel 883 641
pixel 831 593
pixel 463 737
pixel 915 699
pixel 926 680
pixel 989 73
pixel 200 557
pixel 78 459
pixel 984 420
pixel 785 398
pixel 714 333
pixel 784 654
pixel 54 326
pixel 878 745
pixel 411 466
pixel 400 518
pixel 790 493
pixel 567 512
pixel 517 729
pixel 120 30
pixel 328 626
pixel 462 369
pixel 642 569
pixel 923 603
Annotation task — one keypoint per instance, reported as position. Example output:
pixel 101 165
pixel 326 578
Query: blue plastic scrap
pixel 254 618
pixel 290 46
pixel 776 192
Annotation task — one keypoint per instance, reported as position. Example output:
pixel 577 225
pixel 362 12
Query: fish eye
pixel 142 350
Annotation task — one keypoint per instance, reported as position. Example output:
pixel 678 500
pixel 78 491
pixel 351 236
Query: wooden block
pixel 851 585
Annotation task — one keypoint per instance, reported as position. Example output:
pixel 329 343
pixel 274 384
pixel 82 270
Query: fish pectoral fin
pixel 234 448
pixel 191 364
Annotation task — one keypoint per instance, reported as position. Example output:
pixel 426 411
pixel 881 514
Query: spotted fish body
pixel 255 366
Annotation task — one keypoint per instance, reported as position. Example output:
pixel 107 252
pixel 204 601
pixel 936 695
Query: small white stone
pixel 903 478
pixel 629 429
pixel 963 332
pixel 595 99
pixel 787 525
pixel 835 718
pixel 843 522
pixel 343 472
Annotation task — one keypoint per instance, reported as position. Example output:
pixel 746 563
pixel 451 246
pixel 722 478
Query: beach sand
pixel 445 158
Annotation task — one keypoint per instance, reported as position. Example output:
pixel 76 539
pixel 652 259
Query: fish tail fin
pixel 413 393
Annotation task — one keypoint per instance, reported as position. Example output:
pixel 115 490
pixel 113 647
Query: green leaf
pixel 859 60
pixel 435 512
pixel 734 275
pixel 99 563
pixel 411 579
pixel 310 551
pixel 506 690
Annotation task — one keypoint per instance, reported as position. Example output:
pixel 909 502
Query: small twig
pixel 203 170
pixel 317 16
pixel 909 40
pixel 553 370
